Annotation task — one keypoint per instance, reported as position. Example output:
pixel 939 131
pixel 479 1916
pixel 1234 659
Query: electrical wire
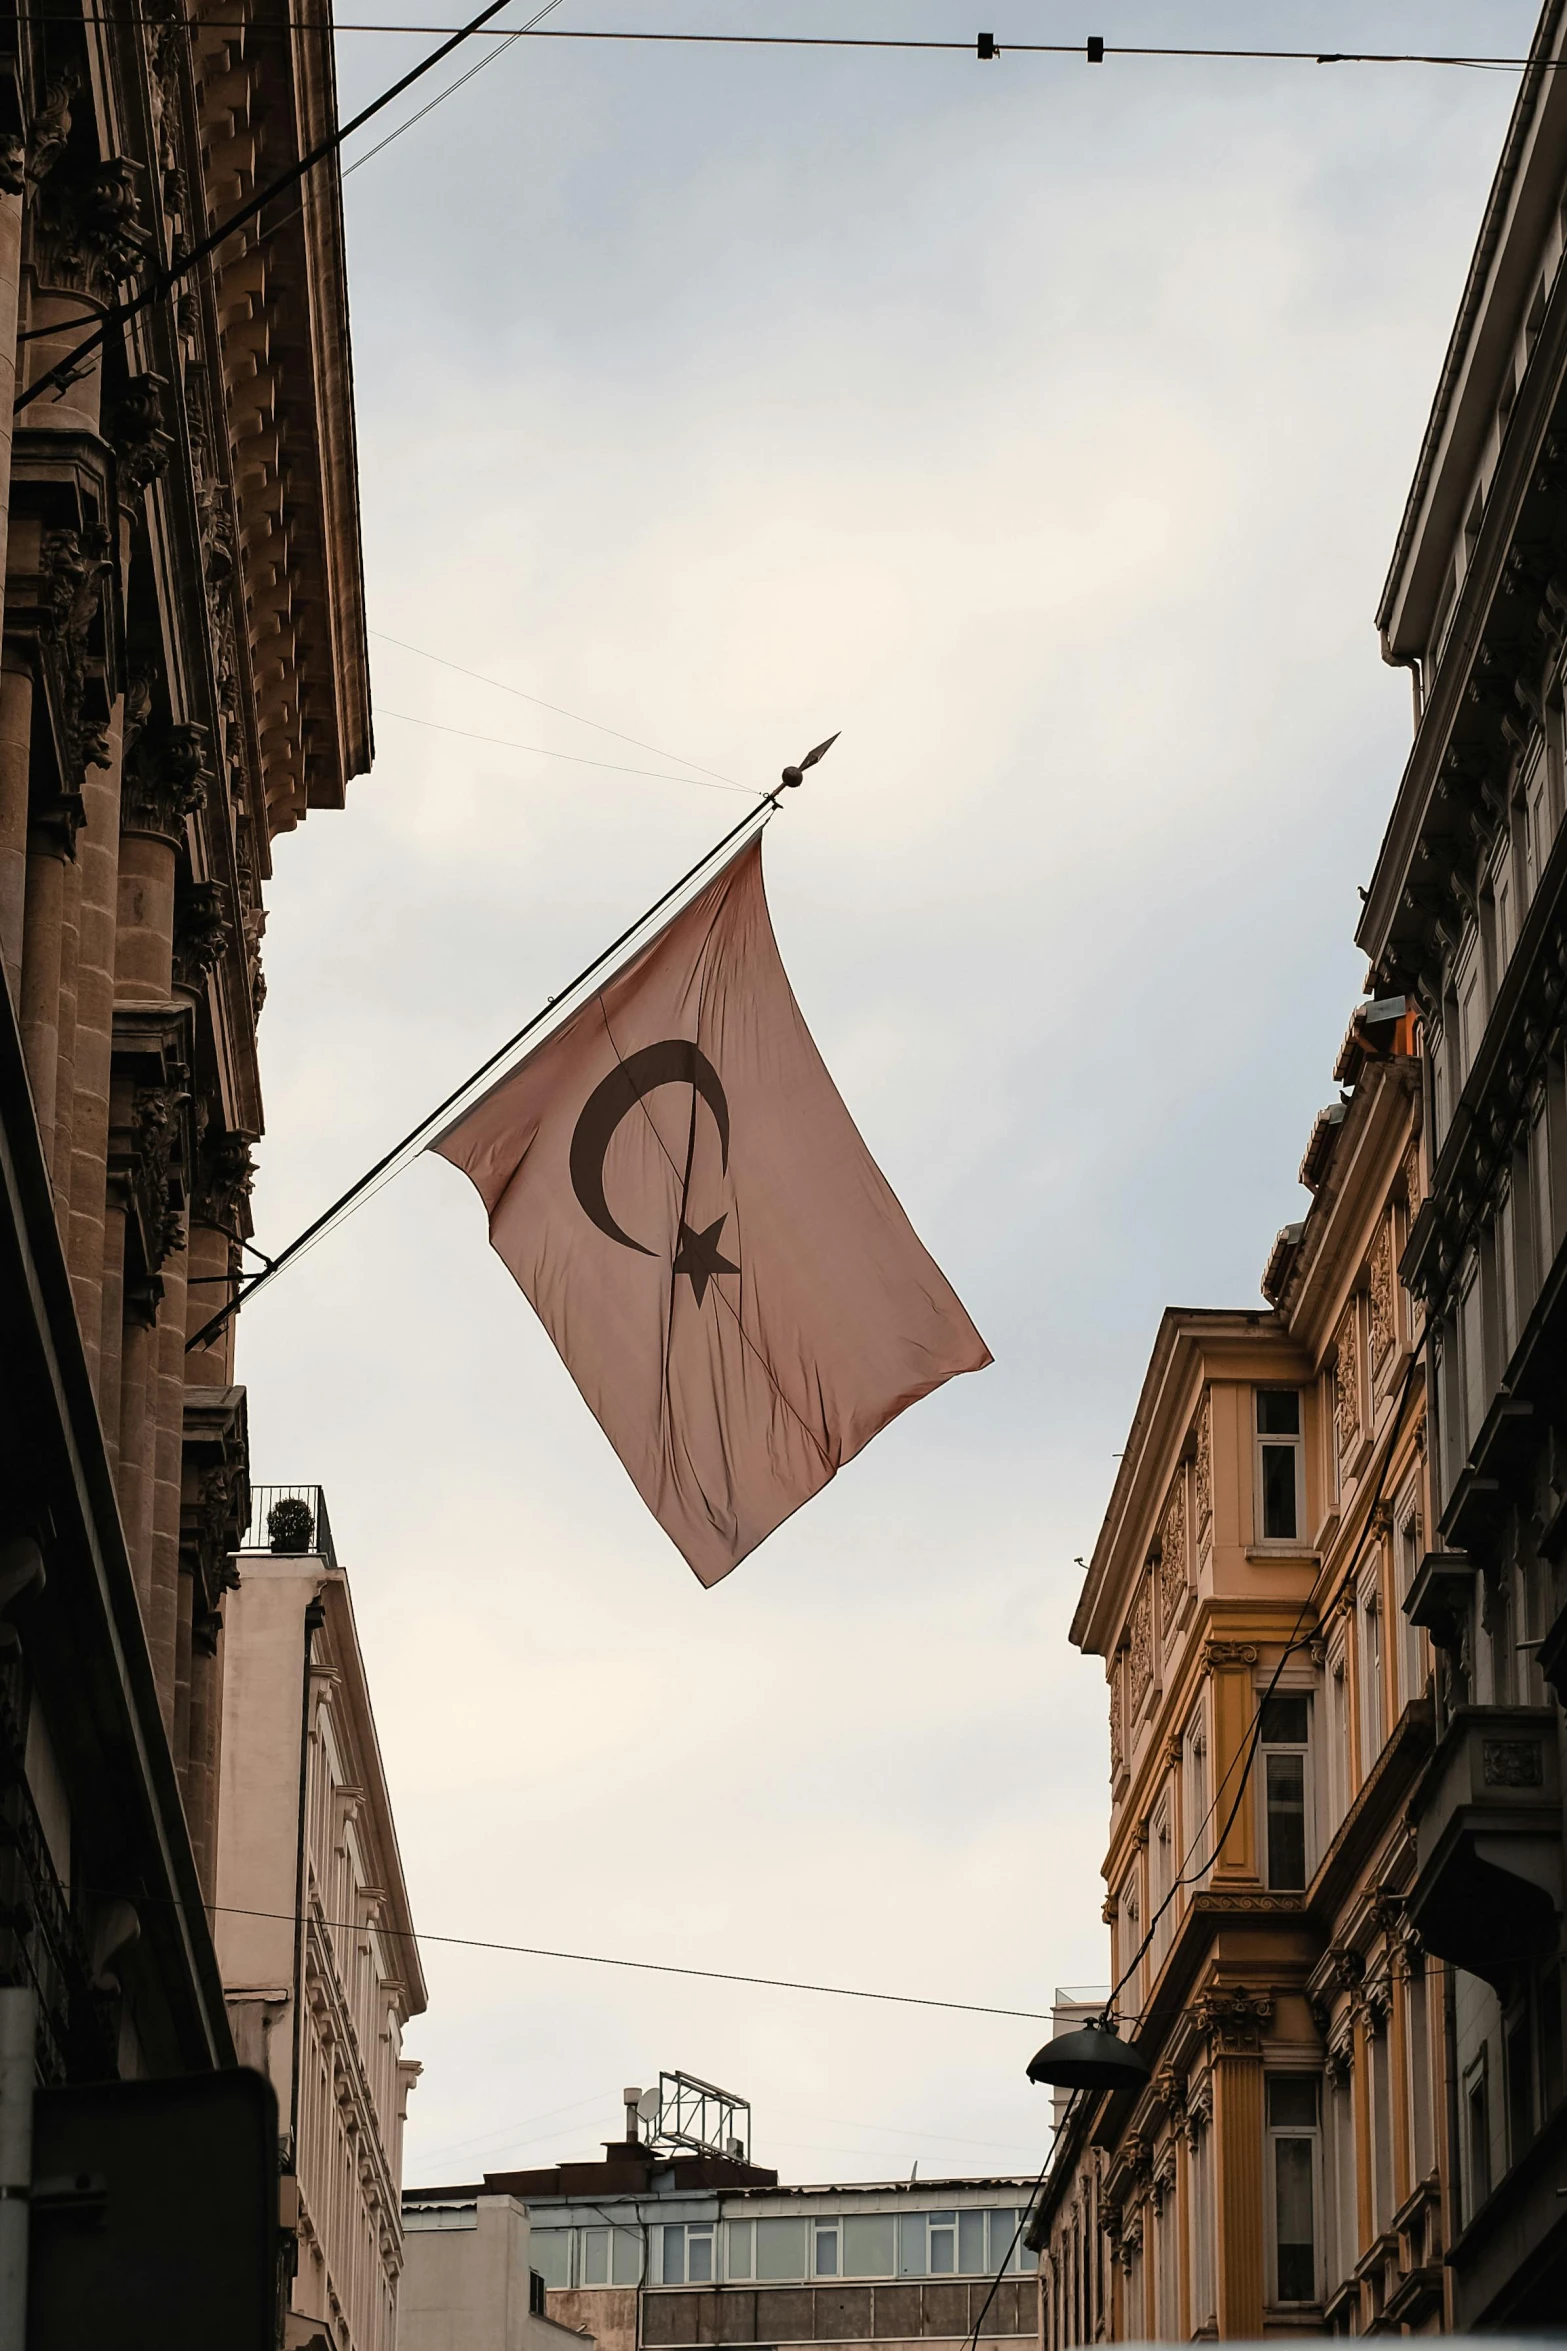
pixel 577 758
pixel 1096 53
pixel 401 1153
pixel 163 281
pixel 707 1975
pixel 451 89
pixel 501 687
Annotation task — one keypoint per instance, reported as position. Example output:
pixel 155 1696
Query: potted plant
pixel 291 1525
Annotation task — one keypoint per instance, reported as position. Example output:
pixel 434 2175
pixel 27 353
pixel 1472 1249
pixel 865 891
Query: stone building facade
pixel 1467 914
pixel 305 1831
pixel 182 674
pixel 1270 1712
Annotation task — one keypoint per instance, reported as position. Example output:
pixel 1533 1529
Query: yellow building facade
pixel 1270 1709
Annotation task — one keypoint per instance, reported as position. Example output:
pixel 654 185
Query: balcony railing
pixel 291 1521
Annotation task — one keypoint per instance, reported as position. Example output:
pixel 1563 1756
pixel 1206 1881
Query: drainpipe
pixel 1417 677
pixel 18 2036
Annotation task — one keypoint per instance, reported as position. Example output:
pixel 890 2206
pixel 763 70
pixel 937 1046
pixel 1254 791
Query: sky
pixel 1045 429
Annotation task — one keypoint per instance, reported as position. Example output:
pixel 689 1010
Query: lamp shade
pixel 1092 2058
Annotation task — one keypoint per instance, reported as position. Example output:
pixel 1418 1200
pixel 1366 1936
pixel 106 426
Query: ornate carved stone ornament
pixel 202 930
pixel 1232 2016
pixel 1109 1910
pixel 1199 2110
pixel 150 1145
pixel 136 430
pixel 73 567
pixel 165 778
pixel 1172 1550
pixel 1346 1381
pixel 1383 1295
pixel 1170 2088
pixel 1203 1474
pixel 214 1495
pixel 225 1171
pixel 1117 1740
pixel 13 163
pixel 1217 1654
pixel 87 229
pixel 1140 1647
pixel 1512 1763
pixel 50 128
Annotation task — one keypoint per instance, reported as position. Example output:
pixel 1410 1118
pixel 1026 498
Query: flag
pixel 676 1186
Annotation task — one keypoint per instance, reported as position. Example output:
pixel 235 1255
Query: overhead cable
pixel 163 281
pixel 986 45
pixel 501 687
pixel 709 1975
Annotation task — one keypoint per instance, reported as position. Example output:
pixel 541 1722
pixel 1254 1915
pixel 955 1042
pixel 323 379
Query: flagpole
pixel 759 816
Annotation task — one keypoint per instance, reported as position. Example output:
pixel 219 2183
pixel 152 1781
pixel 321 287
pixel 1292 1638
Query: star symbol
pixel 698 1256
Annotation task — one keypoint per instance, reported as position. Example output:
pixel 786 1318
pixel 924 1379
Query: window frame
pixel 1266 1748
pixel 1273 2133
pixel 1276 1441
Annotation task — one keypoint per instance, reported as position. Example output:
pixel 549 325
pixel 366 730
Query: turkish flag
pixel 677 1187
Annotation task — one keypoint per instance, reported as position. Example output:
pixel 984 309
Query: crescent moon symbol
pixel 674 1062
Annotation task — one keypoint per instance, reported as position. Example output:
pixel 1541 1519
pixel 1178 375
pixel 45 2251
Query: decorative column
pixel 1233 2017
pixel 164 780
pixel 200 934
pixel 1231 1664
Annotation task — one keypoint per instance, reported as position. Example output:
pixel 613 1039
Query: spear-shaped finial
pixel 795 775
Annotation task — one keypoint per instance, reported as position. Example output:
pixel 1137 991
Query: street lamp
pixel 1092 2058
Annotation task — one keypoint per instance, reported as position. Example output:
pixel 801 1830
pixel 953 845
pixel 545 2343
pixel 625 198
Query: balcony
pixel 290 1520
pixel 1488 1890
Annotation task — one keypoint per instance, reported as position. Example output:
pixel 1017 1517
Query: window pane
pixel 1284 1721
pixel 595 2257
pixel 971 2243
pixel 867 2245
pixel 1278 1412
pixel 674 2270
pixel 827 2253
pixel 549 2251
pixel 738 2257
pixel 1287 1822
pixel 699 2256
pixel 1278 1493
pixel 943 2244
pixel 1292 2100
pixel 1292 2161
pixel 625 2258
pixel 911 2245
pixel 1003 2228
pixel 780 2249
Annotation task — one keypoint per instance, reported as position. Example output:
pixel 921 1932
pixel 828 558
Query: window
pixel 699 2256
pixel 943 2244
pixel 549 2251
pixel 1278 1464
pixel 673 2271
pixel 868 2245
pixel 1371 1685
pixel 911 2245
pixel 737 2249
pixel 826 2249
pixel 595 2257
pixel 1518 2043
pixel 780 2250
pixel 1477 2133
pixel 971 2243
pixel 1293 2131
pixel 1283 1741
pixel 1412 1639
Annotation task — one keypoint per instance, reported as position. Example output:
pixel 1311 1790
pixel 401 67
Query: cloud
pixel 1047 433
